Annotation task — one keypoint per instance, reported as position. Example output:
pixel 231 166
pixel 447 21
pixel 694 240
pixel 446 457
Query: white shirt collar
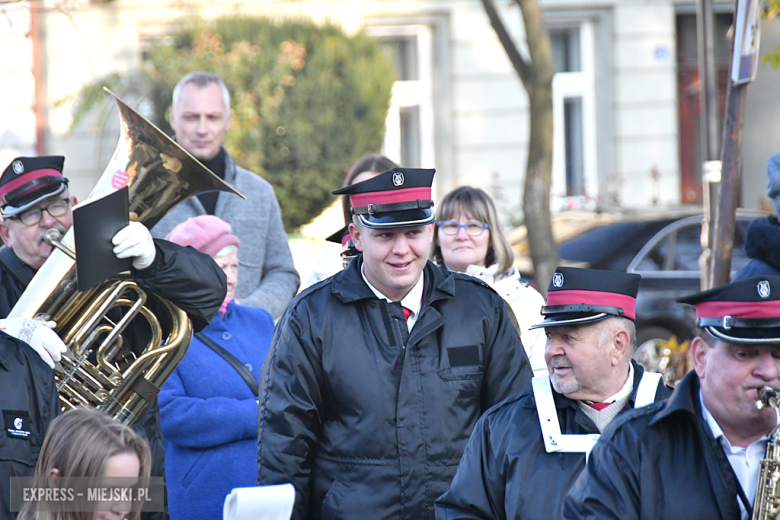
pixel 412 301
pixel 744 461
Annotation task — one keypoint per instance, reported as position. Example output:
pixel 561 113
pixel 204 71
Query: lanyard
pixel 554 440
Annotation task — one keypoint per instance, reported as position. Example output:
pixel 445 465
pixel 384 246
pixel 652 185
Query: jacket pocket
pixel 197 467
pixel 467 380
pixel 18 450
pixel 461 373
pixel 334 501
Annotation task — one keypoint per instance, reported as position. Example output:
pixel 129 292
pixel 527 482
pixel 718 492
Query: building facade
pixel 625 92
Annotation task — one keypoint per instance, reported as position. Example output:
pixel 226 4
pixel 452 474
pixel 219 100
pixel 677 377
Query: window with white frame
pixel 409 137
pixel 574 129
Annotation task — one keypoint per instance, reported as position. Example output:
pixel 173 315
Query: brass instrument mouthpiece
pixel 767 397
pixel 52 235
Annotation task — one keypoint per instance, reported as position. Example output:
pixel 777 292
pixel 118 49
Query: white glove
pixel 38 335
pixel 134 241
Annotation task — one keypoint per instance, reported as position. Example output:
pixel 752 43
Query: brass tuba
pixel 159 174
pixel 766 505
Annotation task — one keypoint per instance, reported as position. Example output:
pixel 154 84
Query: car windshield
pixel 610 247
pixel 680 249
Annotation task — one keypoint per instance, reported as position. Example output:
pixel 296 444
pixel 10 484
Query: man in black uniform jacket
pixel 526 452
pixel 698 454
pixel 377 375
pixel 33 198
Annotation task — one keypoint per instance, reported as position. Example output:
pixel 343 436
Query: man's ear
pixel 357 236
pixel 622 344
pixel 4 234
pixel 699 350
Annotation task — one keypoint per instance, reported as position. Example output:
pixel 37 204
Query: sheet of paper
pixel 260 503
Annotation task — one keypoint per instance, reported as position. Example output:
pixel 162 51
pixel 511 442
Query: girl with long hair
pixel 87 443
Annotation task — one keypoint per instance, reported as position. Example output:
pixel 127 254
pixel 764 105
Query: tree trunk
pixel 538 177
pixel 537 80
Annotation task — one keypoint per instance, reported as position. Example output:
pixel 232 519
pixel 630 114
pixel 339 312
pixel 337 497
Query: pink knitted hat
pixel 206 233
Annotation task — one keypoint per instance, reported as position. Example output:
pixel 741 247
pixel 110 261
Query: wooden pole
pixel 39 75
pixel 730 185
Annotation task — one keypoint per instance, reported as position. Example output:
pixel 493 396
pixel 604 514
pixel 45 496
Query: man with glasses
pixel 526 453
pixel 33 199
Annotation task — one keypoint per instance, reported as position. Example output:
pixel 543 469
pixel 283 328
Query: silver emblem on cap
pixel 18 167
pixel 557 280
pixel 398 179
pixel 763 288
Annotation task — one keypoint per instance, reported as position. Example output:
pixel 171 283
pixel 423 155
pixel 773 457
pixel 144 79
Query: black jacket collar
pixel 684 399
pixel 14 266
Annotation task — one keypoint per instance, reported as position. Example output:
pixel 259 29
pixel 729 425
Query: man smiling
pixel 377 375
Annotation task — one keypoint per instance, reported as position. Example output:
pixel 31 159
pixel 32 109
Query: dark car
pixel 663 247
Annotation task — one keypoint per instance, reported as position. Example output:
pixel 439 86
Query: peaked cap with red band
pixel 578 296
pixel 343 237
pixel 29 180
pixel 746 311
pixel 400 197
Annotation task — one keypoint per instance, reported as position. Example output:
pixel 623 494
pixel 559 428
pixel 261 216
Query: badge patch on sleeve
pixel 17 424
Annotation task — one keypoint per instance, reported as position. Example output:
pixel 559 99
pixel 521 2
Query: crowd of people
pixel 416 376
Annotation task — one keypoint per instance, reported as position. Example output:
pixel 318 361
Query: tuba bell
pixel 98 369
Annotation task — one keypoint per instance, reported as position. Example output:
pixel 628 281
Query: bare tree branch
pixel 521 66
pixel 61 6
pixel 10 22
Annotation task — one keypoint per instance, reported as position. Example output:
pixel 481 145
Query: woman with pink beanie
pixel 208 407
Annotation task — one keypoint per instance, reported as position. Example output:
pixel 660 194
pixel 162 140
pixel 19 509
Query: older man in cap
pixel 33 199
pixel 698 454
pixel 525 453
pixel 377 375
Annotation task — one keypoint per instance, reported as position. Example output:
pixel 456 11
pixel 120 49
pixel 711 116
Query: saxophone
pixel 99 369
pixel 766 506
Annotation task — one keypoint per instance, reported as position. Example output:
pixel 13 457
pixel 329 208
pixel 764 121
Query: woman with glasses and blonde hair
pixel 468 239
pixel 87 443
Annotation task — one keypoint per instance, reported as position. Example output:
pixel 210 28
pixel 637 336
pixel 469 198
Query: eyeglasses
pixel 31 217
pixel 473 228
